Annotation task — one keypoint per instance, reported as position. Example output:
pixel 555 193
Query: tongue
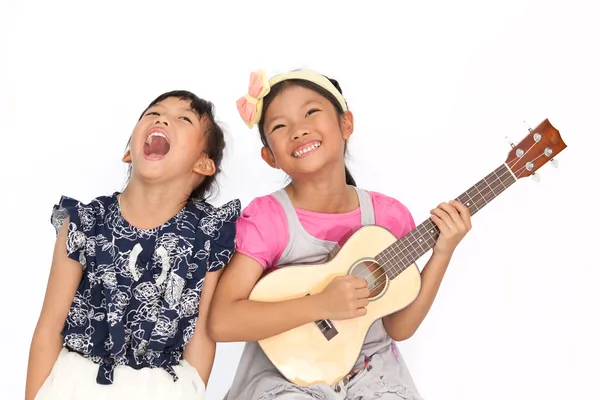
pixel 158 147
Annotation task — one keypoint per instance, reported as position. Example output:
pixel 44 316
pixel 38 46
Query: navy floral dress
pixel 137 302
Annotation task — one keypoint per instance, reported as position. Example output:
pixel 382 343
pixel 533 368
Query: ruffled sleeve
pixel 82 220
pixel 215 236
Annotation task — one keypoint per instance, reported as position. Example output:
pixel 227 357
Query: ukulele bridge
pixel 326 327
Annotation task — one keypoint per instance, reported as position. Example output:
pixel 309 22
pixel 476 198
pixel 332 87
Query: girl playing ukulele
pixel 304 124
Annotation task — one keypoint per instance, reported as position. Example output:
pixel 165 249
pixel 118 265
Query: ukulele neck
pixel 405 251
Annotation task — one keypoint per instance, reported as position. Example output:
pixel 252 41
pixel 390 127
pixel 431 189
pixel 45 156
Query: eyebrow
pixel 303 105
pixel 186 109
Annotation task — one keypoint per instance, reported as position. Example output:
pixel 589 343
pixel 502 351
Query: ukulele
pixel 325 351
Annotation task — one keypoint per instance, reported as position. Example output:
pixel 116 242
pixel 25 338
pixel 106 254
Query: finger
pixel 362 303
pixel 463 211
pixel 360 283
pixel 361 312
pixel 444 230
pixel 452 212
pixel 440 218
pixel 363 293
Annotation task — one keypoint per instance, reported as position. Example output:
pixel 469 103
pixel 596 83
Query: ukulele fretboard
pixel 404 252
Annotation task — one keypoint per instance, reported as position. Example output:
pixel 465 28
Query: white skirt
pixel 73 377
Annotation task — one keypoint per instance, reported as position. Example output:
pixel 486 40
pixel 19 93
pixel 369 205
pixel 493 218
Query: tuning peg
pixel 528 127
pixel 554 163
pixel 535 177
pixel 509 142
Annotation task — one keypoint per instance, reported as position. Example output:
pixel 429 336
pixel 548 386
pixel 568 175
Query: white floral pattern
pixel 117 318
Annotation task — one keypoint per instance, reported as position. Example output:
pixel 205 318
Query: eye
pixel 187 119
pixel 152 113
pixel 312 111
pixel 277 127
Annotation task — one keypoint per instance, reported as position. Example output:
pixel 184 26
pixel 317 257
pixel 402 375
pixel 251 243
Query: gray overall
pixel 386 376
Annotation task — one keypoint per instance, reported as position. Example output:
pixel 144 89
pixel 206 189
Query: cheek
pixel 137 136
pixel 332 131
pixel 279 148
pixel 189 146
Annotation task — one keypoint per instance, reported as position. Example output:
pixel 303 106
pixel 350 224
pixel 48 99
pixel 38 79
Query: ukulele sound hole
pixel 374 275
pixel 376 281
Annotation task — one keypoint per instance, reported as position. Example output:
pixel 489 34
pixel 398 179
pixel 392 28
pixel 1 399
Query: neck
pixel 325 193
pixel 408 249
pixel 147 206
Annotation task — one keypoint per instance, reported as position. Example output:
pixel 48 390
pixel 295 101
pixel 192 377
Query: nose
pixel 161 121
pixel 300 132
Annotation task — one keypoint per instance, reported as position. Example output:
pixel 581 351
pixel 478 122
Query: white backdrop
pixel 435 87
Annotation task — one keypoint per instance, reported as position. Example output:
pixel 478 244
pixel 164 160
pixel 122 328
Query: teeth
pixel 153 134
pixel 307 149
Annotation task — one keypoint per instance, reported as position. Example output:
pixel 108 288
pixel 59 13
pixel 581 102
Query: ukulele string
pixel 519 173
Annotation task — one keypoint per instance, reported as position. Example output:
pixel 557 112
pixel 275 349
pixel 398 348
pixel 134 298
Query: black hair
pixel 279 87
pixel 215 137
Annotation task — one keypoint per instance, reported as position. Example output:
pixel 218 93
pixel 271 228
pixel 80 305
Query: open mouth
pixel 157 145
pixel 306 149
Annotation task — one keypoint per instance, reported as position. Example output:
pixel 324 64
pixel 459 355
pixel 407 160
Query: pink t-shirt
pixel 262 231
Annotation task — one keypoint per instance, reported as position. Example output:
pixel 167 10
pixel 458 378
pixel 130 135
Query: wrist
pixel 317 311
pixel 442 255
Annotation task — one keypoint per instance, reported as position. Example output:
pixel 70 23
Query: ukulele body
pixel 314 353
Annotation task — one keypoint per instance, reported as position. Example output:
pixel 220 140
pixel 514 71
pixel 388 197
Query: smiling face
pixel 304 132
pixel 169 142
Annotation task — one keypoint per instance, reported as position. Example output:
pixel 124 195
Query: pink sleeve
pixel 261 231
pixel 392 215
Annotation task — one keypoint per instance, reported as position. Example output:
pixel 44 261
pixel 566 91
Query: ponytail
pixel 349 179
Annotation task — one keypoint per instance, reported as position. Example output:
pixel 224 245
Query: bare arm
pixel 402 324
pixel 234 318
pixel 65 276
pixel 454 222
pixel 200 351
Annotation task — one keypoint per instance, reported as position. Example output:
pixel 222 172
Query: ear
pixel 205 166
pixel 127 157
pixel 268 156
pixel 347 125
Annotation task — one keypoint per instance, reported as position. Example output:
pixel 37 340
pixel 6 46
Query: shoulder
pixel 392 214
pixel 262 212
pixel 216 232
pixel 262 230
pixel 215 221
pixel 382 201
pixel 262 205
pixel 83 216
pixel 228 212
pixel 84 220
pixel 216 224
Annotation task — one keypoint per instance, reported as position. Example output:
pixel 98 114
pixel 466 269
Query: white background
pixel 435 87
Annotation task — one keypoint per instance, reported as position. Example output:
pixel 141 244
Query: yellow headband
pixel 250 105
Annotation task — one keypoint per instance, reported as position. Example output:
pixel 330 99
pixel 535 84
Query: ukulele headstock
pixel 541 145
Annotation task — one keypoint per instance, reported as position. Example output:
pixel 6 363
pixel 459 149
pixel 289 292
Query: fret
pixel 467 201
pixel 414 241
pixel 474 194
pixel 484 191
pixel 406 250
pixel 491 184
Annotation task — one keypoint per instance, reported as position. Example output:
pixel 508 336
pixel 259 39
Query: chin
pixel 146 171
pixel 307 168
